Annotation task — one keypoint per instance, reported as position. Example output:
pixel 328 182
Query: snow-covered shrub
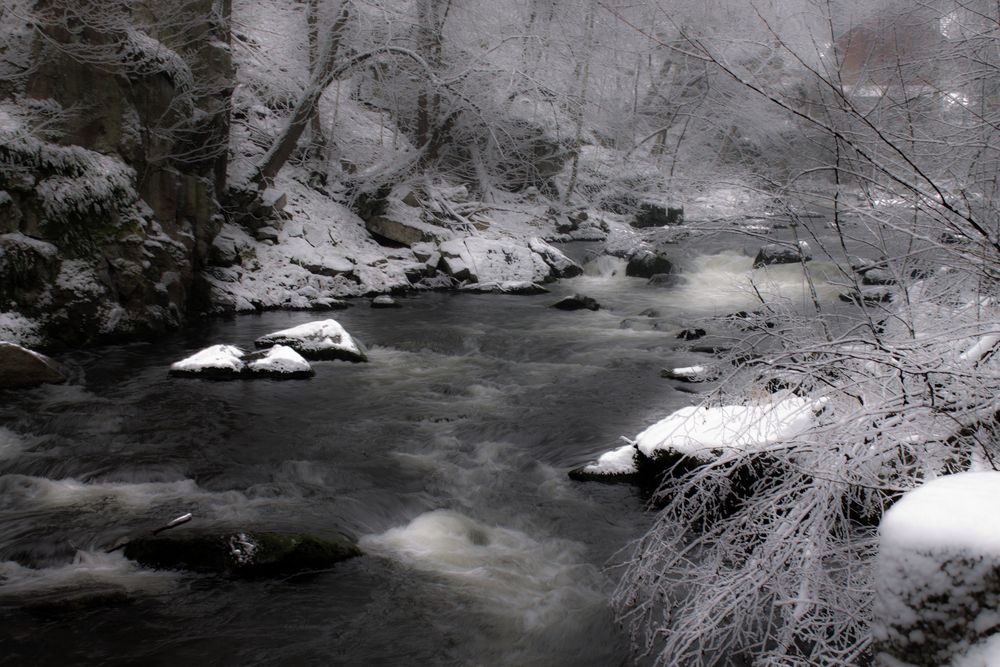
pixel 785 574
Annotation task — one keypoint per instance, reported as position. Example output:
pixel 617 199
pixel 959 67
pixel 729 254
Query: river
pixel 446 455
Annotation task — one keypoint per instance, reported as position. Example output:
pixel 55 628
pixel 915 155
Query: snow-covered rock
pixel 616 465
pixel 685 374
pixel 21 367
pixel 938 574
pixel 562 266
pixel 228 362
pixel 520 287
pixel 279 361
pixel 325 339
pixel 706 432
pixel 477 259
pixel 385 301
pixel 217 361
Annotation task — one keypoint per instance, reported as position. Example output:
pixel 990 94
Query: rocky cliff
pixel 112 151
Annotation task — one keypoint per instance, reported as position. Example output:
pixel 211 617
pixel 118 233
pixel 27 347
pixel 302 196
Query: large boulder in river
pixel 325 339
pixel 780 253
pixel 645 263
pixel 242 554
pixel 20 367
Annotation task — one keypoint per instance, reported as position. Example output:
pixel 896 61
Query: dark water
pixel 446 455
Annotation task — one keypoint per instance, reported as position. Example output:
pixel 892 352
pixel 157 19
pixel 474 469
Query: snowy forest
pixel 680 328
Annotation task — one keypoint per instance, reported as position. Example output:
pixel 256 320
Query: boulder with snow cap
pixel 385 301
pixel 228 362
pixel 519 287
pixel 937 583
pixel 322 340
pixel 562 266
pixel 21 367
pixel 214 362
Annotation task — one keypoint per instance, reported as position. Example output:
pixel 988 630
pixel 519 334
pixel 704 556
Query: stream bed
pixel 446 456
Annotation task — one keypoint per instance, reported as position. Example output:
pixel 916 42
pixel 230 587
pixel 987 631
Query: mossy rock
pixel 242 554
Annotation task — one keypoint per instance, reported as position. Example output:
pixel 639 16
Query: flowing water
pixel 446 456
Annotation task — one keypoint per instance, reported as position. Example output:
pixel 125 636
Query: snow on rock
pixel 325 339
pixel 616 465
pixel 562 266
pixel 477 259
pixel 705 432
pixel 217 361
pixel 685 374
pixel 226 362
pixel 385 301
pixel 521 287
pixel 322 254
pixel 938 573
pixel 21 367
pixel 278 361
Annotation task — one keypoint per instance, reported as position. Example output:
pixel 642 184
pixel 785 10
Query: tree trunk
pixel 285 145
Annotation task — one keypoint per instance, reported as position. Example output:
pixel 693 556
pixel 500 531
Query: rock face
pixel 323 340
pixel 20 367
pixel 242 554
pixel 115 217
pixel 938 572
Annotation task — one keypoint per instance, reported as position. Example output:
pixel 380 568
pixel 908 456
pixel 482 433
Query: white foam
pixel 11 444
pixel 517 576
pixel 90 571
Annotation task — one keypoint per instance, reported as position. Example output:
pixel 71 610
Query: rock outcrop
pixel 113 213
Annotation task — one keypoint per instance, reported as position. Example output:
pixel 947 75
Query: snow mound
pixel 703 432
pixel 938 573
pixel 325 339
